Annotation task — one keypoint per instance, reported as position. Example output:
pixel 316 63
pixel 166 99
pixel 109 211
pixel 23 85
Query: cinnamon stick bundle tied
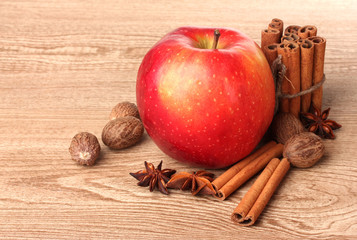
pixel 307 31
pixel 306 70
pixel 249 171
pixel 269 36
pixel 258 196
pixel 318 71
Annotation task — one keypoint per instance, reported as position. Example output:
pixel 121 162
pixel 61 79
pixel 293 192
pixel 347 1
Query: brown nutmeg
pixel 124 109
pixel 84 148
pixel 284 126
pixel 304 150
pixel 122 132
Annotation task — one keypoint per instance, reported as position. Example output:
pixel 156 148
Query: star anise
pixel 198 182
pixel 154 177
pixel 317 122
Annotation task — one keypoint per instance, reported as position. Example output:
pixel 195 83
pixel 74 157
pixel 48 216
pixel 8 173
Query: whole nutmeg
pixel 122 132
pixel 84 148
pixel 304 150
pixel 284 126
pixel 124 109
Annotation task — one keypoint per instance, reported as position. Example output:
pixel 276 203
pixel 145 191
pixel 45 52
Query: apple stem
pixel 217 34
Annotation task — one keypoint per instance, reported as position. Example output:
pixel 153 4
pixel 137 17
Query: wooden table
pixel 65 64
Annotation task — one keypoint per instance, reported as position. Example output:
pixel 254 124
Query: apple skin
pixel 206 107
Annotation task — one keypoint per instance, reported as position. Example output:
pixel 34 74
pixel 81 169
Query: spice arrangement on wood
pixel 296 59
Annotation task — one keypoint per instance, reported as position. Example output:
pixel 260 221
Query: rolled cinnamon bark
pixel 252 195
pixel 232 171
pixel 306 69
pixel 285 86
pixel 249 171
pixel 278 24
pixel 292 29
pixel 290 37
pixel 294 76
pixel 291 59
pixel 271 53
pixel 318 72
pixel 266 193
pixel 269 36
pixel 307 31
pixel 285 39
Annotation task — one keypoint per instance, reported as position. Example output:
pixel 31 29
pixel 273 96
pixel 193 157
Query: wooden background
pixel 65 64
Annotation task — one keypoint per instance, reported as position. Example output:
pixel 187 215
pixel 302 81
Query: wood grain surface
pixel 65 64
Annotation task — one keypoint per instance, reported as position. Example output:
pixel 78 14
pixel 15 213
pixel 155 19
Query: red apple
pixel 203 105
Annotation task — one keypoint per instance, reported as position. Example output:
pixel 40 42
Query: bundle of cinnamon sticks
pixel 303 54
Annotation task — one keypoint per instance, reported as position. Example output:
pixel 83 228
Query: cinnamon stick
pixel 285 39
pixel 294 76
pixel 307 31
pixel 290 37
pixel 252 195
pixel 318 72
pixel 266 194
pixel 306 69
pixel 249 171
pixel 232 171
pixel 291 59
pixel 283 102
pixel 271 53
pixel 269 36
pixel 292 29
pixel 277 24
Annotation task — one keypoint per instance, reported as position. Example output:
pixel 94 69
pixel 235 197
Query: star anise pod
pixel 154 177
pixel 317 122
pixel 198 182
